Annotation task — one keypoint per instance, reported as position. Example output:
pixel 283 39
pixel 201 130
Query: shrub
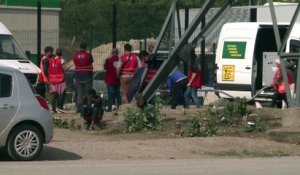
pixel 202 127
pixel 138 119
pixel 234 112
pixel 258 125
pixel 62 123
pixel 237 108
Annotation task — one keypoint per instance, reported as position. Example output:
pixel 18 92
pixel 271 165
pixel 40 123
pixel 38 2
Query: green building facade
pixel 31 3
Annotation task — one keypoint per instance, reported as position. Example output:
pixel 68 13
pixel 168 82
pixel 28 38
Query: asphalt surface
pixel 224 166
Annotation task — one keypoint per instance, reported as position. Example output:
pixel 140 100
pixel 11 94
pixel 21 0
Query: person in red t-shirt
pixel 194 82
pixel 111 79
pixel 127 66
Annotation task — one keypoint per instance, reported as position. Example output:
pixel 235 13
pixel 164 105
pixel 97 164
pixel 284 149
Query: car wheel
pixel 24 143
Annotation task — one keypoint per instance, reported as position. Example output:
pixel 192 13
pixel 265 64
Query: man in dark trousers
pixel 83 62
pixel 43 77
pixel 177 82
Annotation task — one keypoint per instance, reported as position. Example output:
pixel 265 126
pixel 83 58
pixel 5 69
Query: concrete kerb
pixel 291 117
pixel 290 131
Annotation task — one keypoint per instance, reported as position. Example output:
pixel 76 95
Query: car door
pixel 8 99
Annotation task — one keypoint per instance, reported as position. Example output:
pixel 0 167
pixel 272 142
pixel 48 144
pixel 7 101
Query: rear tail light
pixel 42 102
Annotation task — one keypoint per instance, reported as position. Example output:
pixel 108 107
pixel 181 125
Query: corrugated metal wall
pixel 22 22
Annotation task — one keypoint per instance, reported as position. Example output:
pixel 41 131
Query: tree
pixel 92 19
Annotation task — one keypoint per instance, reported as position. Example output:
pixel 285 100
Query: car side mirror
pixel 28 54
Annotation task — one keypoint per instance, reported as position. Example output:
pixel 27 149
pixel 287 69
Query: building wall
pixel 22 22
pixel 31 3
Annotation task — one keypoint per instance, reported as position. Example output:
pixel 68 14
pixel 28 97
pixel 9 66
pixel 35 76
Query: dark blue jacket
pixel 175 77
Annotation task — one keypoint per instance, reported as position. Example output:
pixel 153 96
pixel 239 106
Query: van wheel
pixel 24 143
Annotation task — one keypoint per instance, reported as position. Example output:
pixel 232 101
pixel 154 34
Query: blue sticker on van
pixel 234 50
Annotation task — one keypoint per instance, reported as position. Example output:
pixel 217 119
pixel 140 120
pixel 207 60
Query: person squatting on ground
pixel 194 82
pixel 127 66
pixel 177 82
pixel 111 79
pixel 92 111
pixel 56 76
pixel 43 77
pixel 279 86
pixel 83 76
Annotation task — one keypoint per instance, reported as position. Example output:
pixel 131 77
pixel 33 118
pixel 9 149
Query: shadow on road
pixel 49 154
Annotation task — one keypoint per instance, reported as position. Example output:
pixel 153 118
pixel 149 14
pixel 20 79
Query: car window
pixel 99 76
pixel 9 48
pixel 5 85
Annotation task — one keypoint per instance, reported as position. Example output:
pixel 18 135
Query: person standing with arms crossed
pixel 83 76
pixel 127 66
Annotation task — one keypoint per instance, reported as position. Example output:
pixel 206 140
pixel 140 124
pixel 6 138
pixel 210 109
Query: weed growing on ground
pixel 234 112
pixel 147 118
pixel 202 127
pixel 62 123
pixel 258 125
pixel 249 153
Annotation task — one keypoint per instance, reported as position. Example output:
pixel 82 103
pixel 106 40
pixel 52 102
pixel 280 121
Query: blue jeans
pixel 191 92
pixel 113 93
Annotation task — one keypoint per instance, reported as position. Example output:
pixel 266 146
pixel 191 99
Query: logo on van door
pixel 228 73
pixel 234 50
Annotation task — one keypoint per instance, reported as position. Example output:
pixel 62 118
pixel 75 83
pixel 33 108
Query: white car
pixel 25 121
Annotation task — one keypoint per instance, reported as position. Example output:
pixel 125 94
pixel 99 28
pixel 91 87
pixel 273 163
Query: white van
pixel 11 55
pixel 245 57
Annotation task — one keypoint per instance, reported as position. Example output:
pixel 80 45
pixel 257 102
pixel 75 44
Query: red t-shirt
pixel 111 73
pixel 197 82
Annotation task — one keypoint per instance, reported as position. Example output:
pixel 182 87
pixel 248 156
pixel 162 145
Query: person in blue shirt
pixel 177 82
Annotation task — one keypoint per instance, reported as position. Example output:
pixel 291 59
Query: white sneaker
pixel 60 110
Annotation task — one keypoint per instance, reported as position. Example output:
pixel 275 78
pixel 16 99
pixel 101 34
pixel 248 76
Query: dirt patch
pixel 111 142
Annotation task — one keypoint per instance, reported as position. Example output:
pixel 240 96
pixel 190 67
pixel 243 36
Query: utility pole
pixel 39 31
pixel 114 26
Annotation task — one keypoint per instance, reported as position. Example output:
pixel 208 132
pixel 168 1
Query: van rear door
pixel 236 69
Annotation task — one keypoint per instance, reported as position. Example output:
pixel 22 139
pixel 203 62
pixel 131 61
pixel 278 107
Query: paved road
pixel 219 166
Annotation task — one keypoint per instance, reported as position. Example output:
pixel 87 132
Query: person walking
pixel 57 81
pixel 279 86
pixel 83 76
pixel 177 82
pixel 111 79
pixel 127 65
pixel 194 82
pixel 43 76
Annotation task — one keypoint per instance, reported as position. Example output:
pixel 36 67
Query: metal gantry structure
pixel 293 101
pixel 168 65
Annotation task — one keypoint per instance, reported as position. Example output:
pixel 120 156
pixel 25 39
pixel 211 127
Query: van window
pixel 9 48
pixel 5 85
pixel 295 46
